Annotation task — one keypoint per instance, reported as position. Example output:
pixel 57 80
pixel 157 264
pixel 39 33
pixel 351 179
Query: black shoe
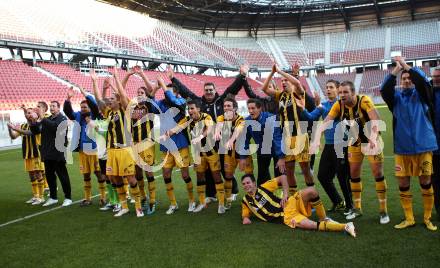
pixel 85 203
pixel 337 207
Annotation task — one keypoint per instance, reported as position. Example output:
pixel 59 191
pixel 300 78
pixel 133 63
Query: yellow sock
pixel 102 190
pixel 87 190
pixel 45 181
pixel 228 188
pixel 189 188
pixel 319 207
pixel 356 189
pixel 122 195
pixel 152 189
pixel 135 193
pixel 381 191
pixel 41 187
pixel 220 188
pixel 141 185
pixel 34 189
pixel 125 180
pixel 201 187
pixel 170 192
pixel 428 201
pixel 406 202
pixel 293 190
pixel 329 226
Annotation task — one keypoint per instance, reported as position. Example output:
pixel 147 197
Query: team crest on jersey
pixel 262 201
pixel 286 104
pixel 138 113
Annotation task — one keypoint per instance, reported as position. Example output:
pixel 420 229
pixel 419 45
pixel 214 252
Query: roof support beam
pixel 344 15
pixel 378 13
pixel 300 19
pixel 412 5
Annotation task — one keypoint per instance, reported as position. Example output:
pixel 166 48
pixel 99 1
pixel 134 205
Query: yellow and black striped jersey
pixel 141 126
pixel 106 112
pixel 358 113
pixel 197 127
pixel 229 126
pixel 117 132
pixel 264 204
pixel 30 143
pixel 289 112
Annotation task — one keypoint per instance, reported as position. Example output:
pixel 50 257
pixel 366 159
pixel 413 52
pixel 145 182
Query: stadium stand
pixel 366 45
pixel 427 42
pixel 322 78
pixel 21 84
pixel 155 39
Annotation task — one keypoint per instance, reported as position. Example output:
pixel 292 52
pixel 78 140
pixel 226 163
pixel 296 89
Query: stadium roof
pixel 255 15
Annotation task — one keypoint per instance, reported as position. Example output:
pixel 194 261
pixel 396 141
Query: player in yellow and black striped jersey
pixel 294 211
pixel 360 110
pixel 42 109
pixel 120 159
pixel 200 125
pixel 32 158
pixel 295 136
pixel 229 127
pixel 143 145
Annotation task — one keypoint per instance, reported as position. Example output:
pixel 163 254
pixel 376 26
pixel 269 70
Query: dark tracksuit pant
pixel 329 166
pixel 53 169
pixel 263 163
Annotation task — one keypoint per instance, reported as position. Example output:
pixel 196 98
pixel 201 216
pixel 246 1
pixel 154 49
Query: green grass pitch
pixel 87 237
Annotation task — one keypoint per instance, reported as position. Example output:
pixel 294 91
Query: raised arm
pixel 183 90
pixel 249 92
pixel 420 81
pixel 147 82
pixel 121 90
pixel 169 93
pixel 235 87
pixel 299 89
pixel 387 89
pixel 127 77
pixel 105 86
pixel 96 93
pixel 67 107
pixel 270 92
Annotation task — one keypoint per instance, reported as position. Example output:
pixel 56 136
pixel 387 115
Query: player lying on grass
pixel 294 211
